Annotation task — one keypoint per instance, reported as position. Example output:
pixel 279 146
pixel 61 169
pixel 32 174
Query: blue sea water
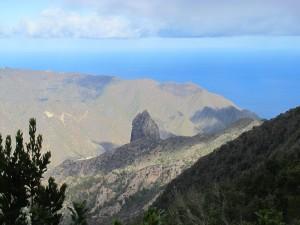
pixel 266 82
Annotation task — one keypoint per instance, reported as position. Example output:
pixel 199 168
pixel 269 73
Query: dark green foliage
pixel 23 198
pixel 13 180
pixel 47 203
pixel 153 216
pixel 79 213
pixel 236 183
pixel 117 222
pixel 269 217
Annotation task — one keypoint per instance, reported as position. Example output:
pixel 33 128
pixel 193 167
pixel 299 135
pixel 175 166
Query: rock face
pixel 143 126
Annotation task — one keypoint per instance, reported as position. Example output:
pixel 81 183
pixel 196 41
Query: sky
pixel 143 18
pixel 246 50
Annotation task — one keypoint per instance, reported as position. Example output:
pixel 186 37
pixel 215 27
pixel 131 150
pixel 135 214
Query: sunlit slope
pixel 80 115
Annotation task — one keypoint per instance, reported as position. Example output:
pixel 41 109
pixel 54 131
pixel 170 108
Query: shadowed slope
pixel 260 170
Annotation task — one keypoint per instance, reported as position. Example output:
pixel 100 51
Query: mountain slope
pixel 210 120
pixel 257 174
pixel 82 116
pixel 126 181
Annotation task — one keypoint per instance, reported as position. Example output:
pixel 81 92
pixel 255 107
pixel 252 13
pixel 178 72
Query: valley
pixel 124 183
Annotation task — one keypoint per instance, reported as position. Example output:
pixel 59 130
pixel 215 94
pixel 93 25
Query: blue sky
pixel 246 50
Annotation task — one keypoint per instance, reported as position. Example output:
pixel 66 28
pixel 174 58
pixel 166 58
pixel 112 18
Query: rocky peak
pixel 143 126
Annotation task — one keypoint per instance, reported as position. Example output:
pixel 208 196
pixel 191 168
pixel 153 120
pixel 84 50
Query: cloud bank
pixel 163 18
pixel 57 23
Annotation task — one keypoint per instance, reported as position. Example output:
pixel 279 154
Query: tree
pixel 47 204
pixel 79 213
pixel 13 181
pixel 269 217
pixel 23 198
pixel 117 222
pixel 153 216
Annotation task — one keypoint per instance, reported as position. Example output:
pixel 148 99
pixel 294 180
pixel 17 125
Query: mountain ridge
pixel 124 182
pixel 256 173
pixel 82 115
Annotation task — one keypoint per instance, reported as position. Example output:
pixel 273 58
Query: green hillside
pixel 254 179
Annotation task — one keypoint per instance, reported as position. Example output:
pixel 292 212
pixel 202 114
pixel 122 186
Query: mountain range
pixel 118 143
pixel 82 116
pixel 125 182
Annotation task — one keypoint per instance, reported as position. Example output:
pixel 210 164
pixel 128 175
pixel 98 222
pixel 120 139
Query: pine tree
pixel 153 216
pixel 117 222
pixel 79 212
pixel 47 204
pixel 23 198
pixel 269 217
pixel 13 193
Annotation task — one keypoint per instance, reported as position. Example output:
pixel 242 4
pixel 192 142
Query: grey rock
pixel 143 126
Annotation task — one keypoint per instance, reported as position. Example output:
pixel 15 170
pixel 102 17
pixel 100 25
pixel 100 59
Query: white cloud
pixel 205 17
pixel 60 23
pixel 170 18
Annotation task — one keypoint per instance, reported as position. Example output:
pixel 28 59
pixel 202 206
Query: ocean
pixel 266 82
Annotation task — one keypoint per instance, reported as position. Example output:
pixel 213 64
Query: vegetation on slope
pixel 125 183
pixel 254 179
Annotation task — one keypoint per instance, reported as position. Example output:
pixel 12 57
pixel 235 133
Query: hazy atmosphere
pixel 150 112
pixel 247 51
